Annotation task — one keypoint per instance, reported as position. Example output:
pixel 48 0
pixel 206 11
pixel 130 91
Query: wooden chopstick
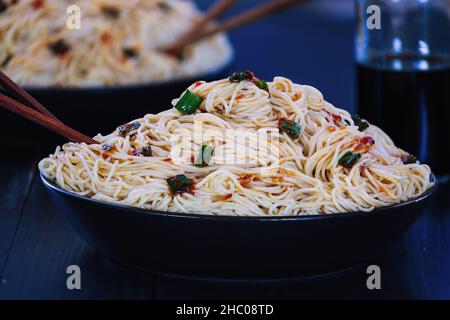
pixel 39 114
pixel 216 10
pixel 240 20
pixel 44 120
pixel 20 94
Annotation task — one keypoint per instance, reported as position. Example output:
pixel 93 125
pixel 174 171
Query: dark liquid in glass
pixel 409 98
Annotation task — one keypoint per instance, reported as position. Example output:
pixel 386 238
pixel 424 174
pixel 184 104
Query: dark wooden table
pixel 310 45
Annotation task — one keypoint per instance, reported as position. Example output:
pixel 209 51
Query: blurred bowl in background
pixel 90 110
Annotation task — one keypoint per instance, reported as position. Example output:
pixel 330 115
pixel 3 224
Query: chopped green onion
pixel 292 128
pixel 362 125
pixel 3 6
pixel 409 159
pixel 204 156
pixel 241 76
pixel 250 76
pixel 125 129
pixel 164 6
pixel 180 183
pixel 349 159
pixel 130 52
pixel 146 151
pixel 188 103
pixel 111 12
pixel 263 85
pixel 58 47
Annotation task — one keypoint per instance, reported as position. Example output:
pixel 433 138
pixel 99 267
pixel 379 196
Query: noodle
pixel 114 46
pixel 307 178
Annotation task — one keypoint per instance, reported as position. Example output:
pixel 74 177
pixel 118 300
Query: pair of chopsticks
pixel 24 105
pixel 203 28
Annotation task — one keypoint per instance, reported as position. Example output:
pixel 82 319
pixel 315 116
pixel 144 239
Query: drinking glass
pixel 403 74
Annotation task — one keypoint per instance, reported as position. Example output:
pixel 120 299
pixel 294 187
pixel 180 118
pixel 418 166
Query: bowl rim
pixel 354 214
pixel 142 85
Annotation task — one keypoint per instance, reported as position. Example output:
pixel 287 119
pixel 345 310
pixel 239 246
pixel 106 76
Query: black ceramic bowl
pixel 90 110
pixel 236 247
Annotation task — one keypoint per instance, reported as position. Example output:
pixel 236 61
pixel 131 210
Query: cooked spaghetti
pixel 328 161
pixel 116 44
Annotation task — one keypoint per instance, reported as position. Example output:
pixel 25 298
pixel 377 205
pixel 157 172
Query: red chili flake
pixel 107 150
pixel 180 184
pixel 197 84
pixel 368 140
pixel 125 129
pixel 363 168
pixel 105 37
pixel 167 159
pixel 382 189
pixel 337 119
pixel 37 4
pixel 223 197
pixel 364 144
pixel 134 152
pixel 246 179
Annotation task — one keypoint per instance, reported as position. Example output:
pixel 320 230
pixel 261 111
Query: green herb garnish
pixel 409 159
pixel 125 129
pixel 204 156
pixel 263 85
pixel 130 52
pixel 241 76
pixel 292 128
pixel 164 6
pixel 180 183
pixel 188 103
pixel 349 159
pixel 362 125
pixel 146 151
pixel 249 76
pixel 59 47
pixel 111 12
pixel 3 6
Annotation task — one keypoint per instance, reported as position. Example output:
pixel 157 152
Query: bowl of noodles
pixel 110 60
pixel 241 178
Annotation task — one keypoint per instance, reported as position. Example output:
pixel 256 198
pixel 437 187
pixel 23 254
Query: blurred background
pixel 311 44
